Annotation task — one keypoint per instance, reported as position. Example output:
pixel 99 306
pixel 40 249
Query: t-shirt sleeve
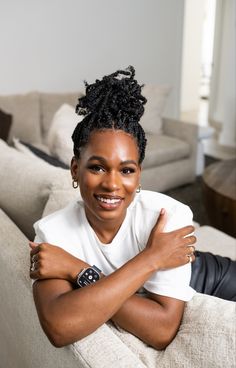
pixel 174 282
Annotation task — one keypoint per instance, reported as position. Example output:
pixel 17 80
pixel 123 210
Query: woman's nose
pixel 111 181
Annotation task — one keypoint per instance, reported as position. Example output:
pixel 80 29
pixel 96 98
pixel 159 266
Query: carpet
pixel 191 194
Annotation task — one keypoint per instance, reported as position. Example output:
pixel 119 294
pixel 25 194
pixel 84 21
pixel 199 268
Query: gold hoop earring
pixel 75 184
pixel 138 190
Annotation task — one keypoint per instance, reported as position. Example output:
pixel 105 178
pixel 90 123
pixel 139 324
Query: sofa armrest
pixel 179 129
pixel 187 132
pixel 22 340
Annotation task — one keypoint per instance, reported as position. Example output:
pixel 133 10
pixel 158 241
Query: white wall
pixel 222 109
pixel 53 45
pixel 192 47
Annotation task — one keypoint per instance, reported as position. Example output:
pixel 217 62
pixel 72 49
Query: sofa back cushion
pixel 26 184
pixel 163 149
pixel 50 103
pixel 156 99
pixel 22 340
pixel 59 139
pixel 25 116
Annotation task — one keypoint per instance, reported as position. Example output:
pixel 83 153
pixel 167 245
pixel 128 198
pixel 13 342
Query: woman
pixel 118 253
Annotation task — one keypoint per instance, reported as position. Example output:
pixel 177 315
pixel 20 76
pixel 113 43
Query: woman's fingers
pixel 35 247
pixel 190 258
pixel 34 259
pixel 185 231
pixel 191 250
pixel 33 244
pixel 189 240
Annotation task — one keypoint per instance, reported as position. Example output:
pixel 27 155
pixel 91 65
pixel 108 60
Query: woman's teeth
pixel 109 200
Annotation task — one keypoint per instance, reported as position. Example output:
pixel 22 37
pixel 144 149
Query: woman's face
pixel 108 174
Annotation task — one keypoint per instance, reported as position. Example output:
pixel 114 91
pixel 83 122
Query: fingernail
pixel 162 211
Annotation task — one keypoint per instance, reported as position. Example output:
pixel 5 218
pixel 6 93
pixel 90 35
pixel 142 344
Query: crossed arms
pixel 68 314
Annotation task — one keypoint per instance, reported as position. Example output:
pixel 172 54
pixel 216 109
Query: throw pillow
pixel 5 125
pixel 60 198
pixel 26 186
pixel 50 103
pixel 59 136
pixel 156 96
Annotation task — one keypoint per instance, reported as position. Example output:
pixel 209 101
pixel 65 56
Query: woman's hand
pixel 51 262
pixel 171 249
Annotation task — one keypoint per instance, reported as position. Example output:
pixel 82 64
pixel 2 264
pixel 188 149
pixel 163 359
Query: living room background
pixel 53 45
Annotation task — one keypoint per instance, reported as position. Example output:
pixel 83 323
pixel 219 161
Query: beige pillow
pixel 60 198
pixel 156 99
pixel 59 136
pixel 26 184
pixel 50 103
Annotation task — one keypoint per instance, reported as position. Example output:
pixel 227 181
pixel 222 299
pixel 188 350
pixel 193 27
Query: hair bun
pixel 116 97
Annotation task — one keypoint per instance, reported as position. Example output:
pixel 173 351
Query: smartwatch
pixel 88 276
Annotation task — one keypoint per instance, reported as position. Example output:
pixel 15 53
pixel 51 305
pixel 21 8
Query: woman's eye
pixel 128 170
pixel 96 168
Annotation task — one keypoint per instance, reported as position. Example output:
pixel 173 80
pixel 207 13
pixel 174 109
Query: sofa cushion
pixel 162 149
pixel 26 115
pixel 59 198
pixel 223 244
pixel 59 139
pixel 26 185
pixel 22 340
pixel 156 99
pixel 206 337
pixel 50 103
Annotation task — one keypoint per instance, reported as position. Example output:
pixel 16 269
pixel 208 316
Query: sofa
pixel 31 188
pixel 172 145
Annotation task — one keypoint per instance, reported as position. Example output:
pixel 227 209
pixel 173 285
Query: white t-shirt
pixel 69 229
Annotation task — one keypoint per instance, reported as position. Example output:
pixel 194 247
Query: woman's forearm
pixel 153 322
pixel 68 315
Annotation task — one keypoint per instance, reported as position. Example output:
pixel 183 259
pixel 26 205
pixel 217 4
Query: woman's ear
pixel 74 168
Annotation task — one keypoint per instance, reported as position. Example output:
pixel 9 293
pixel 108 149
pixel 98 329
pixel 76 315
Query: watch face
pixel 87 277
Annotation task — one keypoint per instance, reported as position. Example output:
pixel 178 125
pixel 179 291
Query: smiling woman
pixel 140 242
pixel 108 175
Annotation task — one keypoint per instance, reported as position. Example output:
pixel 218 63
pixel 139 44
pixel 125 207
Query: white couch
pixel 172 145
pixel 30 189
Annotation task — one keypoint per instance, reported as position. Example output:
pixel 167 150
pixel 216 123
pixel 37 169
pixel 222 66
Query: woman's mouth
pixel 109 202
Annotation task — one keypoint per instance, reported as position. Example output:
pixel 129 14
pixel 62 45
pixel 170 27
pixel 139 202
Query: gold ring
pixel 190 259
pixel 32 268
pixel 33 258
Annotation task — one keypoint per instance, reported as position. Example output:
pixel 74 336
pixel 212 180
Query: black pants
pixel 214 275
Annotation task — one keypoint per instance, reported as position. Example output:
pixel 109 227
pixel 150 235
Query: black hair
pixel 115 102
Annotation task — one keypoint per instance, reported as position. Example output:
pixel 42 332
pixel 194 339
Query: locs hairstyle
pixel 115 102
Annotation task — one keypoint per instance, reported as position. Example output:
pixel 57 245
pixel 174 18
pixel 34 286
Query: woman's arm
pixel 155 319
pixel 138 315
pixel 68 315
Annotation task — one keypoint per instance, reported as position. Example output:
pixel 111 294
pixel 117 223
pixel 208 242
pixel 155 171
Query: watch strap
pixel 96 269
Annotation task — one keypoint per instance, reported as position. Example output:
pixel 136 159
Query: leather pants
pixel 214 275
